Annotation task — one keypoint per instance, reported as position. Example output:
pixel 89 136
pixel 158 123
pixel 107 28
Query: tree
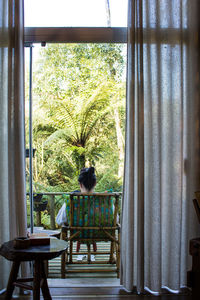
pixel 79 95
pixel 78 125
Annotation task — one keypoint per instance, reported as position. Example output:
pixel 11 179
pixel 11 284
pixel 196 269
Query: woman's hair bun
pixel 87 177
pixel 91 170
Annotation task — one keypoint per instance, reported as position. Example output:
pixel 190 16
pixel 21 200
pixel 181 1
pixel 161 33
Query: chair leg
pixel 94 246
pixel 67 256
pixel 89 254
pixel 70 251
pixel 63 265
pixel 111 252
pixel 118 255
pixel 78 246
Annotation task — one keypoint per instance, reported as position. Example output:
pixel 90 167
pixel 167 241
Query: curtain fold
pixel 162 144
pixel 12 132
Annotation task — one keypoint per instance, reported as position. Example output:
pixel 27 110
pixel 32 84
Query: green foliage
pixel 76 89
pixel 45 219
pixel 109 181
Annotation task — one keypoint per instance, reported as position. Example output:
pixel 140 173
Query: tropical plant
pixel 79 92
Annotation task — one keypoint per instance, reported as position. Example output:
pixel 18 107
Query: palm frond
pixel 63 134
pixel 93 125
pixel 65 116
pixel 94 107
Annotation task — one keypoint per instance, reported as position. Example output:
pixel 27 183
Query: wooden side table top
pixel 55 233
pixel 42 252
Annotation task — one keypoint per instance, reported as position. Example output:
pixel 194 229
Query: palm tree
pixel 80 123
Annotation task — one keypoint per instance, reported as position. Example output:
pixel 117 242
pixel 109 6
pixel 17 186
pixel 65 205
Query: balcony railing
pixel 39 207
pixel 50 207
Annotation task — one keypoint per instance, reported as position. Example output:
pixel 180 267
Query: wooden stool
pixel 194 275
pixel 37 254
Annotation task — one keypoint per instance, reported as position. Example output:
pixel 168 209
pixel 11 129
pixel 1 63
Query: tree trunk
pixel 120 142
pixel 82 161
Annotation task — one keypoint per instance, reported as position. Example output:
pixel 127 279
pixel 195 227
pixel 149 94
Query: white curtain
pixel 12 152
pixel 162 144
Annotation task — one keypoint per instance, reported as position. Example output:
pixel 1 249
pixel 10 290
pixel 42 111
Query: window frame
pixel 75 34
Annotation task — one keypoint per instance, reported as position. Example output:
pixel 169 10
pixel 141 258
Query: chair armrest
pixel 64 232
pixel 64 228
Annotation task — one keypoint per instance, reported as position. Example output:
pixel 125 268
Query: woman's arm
pixel 61 217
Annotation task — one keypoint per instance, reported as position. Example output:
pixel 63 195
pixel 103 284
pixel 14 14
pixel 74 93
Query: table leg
pixel 45 289
pixel 36 280
pixel 46 267
pixel 12 279
pixel 63 262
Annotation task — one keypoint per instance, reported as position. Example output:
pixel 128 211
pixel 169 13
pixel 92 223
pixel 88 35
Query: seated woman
pixel 87 182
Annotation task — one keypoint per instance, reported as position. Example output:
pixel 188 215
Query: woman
pixel 87 182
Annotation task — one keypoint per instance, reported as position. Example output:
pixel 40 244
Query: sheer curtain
pixel 12 153
pixel 162 144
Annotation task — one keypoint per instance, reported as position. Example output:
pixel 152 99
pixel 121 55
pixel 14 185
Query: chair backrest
pixel 92 211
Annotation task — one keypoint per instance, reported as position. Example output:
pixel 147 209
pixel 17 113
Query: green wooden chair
pixel 93 217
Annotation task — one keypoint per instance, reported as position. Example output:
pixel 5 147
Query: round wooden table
pixel 50 233
pixel 38 254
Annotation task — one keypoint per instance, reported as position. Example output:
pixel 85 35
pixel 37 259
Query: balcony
pixel 46 207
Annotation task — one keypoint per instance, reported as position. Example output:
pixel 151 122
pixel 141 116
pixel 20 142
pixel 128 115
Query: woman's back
pixel 90 210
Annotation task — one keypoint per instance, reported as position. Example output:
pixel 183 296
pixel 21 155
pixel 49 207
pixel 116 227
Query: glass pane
pixel 78 119
pixel 75 13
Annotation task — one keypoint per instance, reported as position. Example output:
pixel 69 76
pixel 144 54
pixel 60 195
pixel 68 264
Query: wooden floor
pixel 92 285
pixel 76 293
pixel 55 265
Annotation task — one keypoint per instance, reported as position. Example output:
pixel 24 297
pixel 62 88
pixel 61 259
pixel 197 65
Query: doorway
pixel 92 38
pixel 72 85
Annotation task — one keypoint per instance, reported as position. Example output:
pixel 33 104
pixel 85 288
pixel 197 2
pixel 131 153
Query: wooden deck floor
pixel 55 265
